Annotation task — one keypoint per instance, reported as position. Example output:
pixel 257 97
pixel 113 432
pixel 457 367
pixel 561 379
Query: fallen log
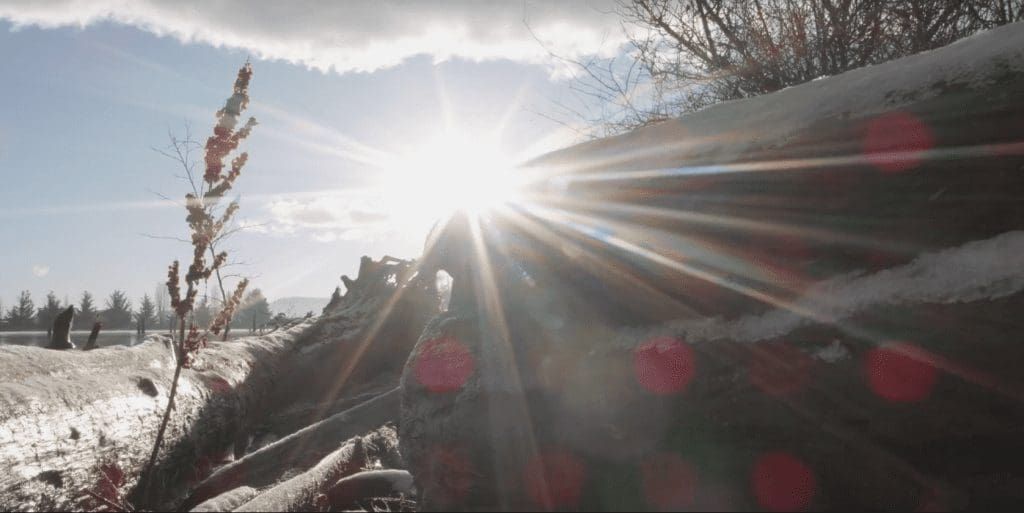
pixel 63 414
pixel 858 305
pixel 300 449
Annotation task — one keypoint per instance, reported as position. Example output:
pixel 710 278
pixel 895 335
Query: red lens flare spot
pixel 899 373
pixel 779 369
pixel 781 482
pixel 555 480
pixel 669 482
pixel 894 142
pixel 664 365
pixel 444 365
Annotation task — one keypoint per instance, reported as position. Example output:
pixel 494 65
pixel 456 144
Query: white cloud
pixel 353 36
pixel 329 216
pixel 40 270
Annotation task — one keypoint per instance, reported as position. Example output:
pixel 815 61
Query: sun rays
pixel 726 261
pixel 669 241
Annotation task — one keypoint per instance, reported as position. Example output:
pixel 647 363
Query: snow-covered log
pixel 805 300
pixel 63 414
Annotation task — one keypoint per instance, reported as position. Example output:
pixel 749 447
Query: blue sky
pixel 85 99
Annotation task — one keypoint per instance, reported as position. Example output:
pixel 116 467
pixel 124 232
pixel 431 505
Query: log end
pixel 61 338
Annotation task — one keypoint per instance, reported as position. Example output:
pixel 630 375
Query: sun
pixel 451 171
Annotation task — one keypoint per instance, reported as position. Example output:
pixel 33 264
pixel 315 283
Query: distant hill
pixel 298 306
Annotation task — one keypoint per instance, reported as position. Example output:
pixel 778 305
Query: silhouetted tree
pixel 86 312
pixel 688 54
pixel 118 314
pixel 146 315
pixel 22 315
pixel 993 13
pixel 49 312
pixel 202 314
pixel 255 310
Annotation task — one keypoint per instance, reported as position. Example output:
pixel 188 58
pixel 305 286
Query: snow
pixel 978 270
pixel 833 353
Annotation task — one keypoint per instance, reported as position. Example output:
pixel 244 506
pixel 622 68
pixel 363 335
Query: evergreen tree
pixel 49 312
pixel 202 315
pixel 22 315
pixel 86 315
pixel 162 303
pixel 118 314
pixel 255 311
pixel 145 317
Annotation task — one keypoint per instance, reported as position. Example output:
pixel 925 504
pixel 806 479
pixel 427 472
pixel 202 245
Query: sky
pixel 360 105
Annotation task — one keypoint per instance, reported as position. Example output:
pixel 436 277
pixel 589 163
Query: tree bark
pixel 60 334
pixel 93 336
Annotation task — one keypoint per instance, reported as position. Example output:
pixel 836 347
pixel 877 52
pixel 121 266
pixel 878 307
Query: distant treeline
pixel 118 312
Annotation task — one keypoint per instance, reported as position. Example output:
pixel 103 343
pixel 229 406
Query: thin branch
pixel 165 237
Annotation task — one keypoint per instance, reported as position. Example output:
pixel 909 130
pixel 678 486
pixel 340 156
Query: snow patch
pixel 833 353
pixel 976 271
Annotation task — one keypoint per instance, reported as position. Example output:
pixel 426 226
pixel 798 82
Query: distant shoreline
pixel 19 332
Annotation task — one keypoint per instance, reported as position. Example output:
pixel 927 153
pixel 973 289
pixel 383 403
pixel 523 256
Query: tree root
pixel 228 501
pixel 300 449
pixel 300 493
pixel 371 483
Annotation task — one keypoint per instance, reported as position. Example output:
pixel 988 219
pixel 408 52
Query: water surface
pixel 106 338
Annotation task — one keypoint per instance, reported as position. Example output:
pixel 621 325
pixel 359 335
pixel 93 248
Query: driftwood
pixel 93 336
pixel 227 501
pixel 299 449
pixel 60 337
pixel 300 492
pixel 64 413
pixel 371 483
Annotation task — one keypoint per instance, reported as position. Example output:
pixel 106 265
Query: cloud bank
pixel 358 36
pixel 327 217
